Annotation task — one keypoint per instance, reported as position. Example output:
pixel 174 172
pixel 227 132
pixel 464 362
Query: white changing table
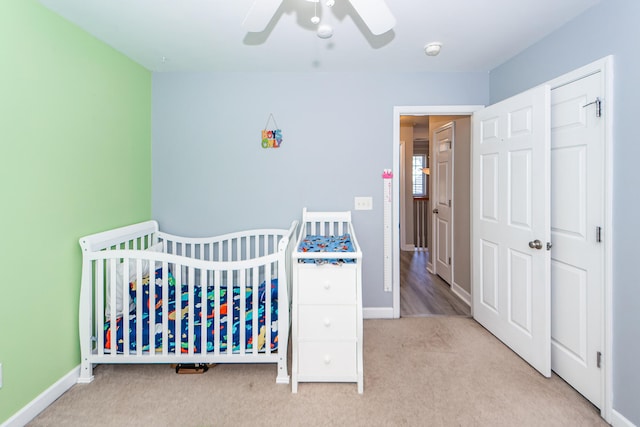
pixel 327 306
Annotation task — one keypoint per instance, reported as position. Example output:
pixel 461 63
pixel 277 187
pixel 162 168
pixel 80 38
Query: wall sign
pixel 271 138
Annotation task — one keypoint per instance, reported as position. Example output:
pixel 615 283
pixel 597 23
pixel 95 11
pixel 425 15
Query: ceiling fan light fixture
pixel 325 31
pixel 432 49
pixel 375 14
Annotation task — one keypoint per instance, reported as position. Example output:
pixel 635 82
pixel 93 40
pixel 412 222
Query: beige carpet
pixel 435 371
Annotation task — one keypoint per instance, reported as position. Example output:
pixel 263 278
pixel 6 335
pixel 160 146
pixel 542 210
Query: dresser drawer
pixel 327 322
pixel 326 284
pixel 327 360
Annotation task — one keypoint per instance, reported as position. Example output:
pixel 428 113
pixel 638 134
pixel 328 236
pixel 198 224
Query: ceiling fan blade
pixel 260 14
pixel 376 15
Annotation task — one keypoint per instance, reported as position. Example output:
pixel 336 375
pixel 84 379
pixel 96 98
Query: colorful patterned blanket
pixel 229 317
pixel 314 243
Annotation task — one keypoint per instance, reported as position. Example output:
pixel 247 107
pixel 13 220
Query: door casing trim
pixel 432 110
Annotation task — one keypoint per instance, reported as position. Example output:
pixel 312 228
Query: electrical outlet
pixel 363 203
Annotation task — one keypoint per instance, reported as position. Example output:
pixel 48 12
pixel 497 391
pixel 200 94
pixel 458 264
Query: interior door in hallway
pixel 577 214
pixel 511 225
pixel 443 145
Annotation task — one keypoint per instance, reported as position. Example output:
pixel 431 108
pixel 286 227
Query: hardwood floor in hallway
pixel 423 294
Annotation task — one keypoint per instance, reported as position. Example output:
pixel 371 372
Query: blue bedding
pixel 229 317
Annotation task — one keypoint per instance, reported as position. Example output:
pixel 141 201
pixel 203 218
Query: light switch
pixel 363 203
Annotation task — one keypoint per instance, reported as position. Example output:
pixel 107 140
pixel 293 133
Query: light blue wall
pixel 210 174
pixel 611 28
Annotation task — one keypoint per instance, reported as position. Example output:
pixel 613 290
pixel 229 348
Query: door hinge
pixel 598 234
pixel 598 103
pixel 449 202
pixel 449 260
pixel 599 359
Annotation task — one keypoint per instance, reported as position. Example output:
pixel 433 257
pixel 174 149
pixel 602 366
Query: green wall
pixel 75 158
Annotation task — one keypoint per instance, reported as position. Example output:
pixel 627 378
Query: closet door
pixel 577 217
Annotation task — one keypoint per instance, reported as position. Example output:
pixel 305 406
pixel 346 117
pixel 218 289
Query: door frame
pixel 443 110
pixel 604 66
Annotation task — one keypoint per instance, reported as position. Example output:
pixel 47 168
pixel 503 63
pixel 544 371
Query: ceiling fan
pixel 374 13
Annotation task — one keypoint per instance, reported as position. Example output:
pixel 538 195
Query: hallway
pixel 423 294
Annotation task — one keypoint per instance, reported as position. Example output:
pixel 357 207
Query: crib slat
pixel 255 326
pixel 152 308
pixel 178 313
pixel 204 310
pixel 217 313
pixel 165 308
pixel 267 309
pixel 112 308
pixel 243 310
pixel 139 307
pixel 265 244
pixel 126 336
pixel 191 312
pixel 125 310
pixel 99 291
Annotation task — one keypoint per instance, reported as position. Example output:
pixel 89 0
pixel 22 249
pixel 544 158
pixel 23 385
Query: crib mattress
pixel 317 243
pixel 229 317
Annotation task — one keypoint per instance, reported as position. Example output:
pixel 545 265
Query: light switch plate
pixel 363 203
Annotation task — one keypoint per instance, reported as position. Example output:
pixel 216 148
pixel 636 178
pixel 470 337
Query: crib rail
pixel 212 279
pixel 136 236
pixel 229 247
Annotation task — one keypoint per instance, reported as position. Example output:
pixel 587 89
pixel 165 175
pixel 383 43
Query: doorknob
pixel 535 244
pixel 435 211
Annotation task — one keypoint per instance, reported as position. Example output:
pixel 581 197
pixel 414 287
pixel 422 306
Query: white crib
pixel 223 299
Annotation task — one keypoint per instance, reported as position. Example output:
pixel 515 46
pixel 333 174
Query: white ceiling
pixel 206 35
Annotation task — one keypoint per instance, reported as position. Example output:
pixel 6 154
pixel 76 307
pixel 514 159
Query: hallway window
pixel 419 178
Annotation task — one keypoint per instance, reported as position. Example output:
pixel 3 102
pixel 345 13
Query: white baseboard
pixel 46 398
pixel 618 420
pixel 377 312
pixel 461 293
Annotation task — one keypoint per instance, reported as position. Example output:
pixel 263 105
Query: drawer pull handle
pixel 327 359
pixel 327 322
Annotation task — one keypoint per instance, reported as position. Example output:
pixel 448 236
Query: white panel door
pixel 511 224
pixel 443 174
pixel 577 256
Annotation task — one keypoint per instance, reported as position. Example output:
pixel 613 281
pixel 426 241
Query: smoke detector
pixel 432 49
